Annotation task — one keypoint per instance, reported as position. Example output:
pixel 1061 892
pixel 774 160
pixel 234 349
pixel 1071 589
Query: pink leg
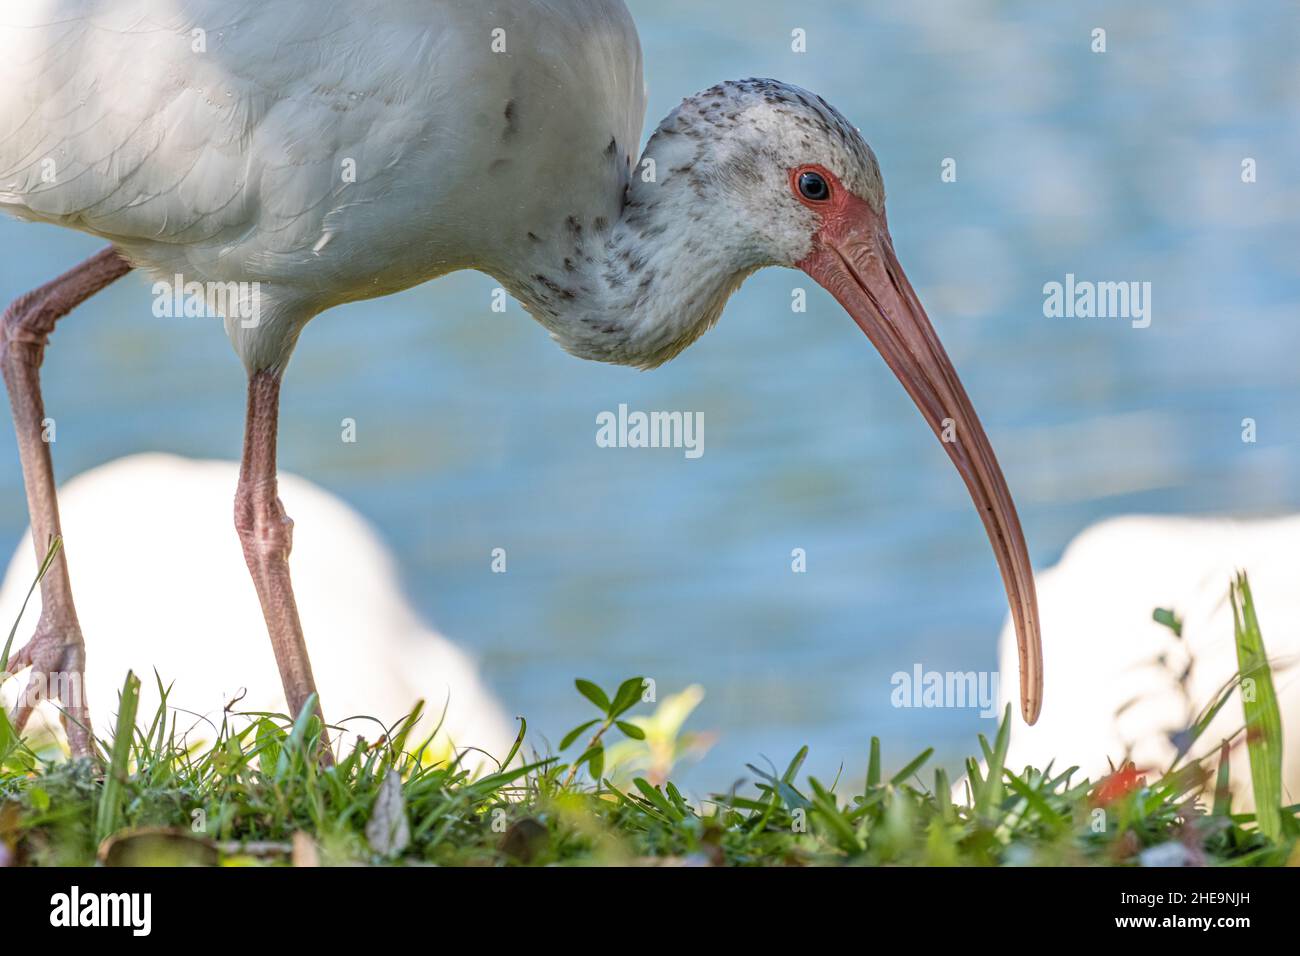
pixel 266 533
pixel 56 653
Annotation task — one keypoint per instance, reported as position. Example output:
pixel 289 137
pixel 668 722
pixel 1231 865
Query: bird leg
pixel 266 533
pixel 56 653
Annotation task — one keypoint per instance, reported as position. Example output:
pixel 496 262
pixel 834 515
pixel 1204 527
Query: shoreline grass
pixel 257 795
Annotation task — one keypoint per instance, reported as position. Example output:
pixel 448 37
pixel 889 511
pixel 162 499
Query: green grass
pixel 258 794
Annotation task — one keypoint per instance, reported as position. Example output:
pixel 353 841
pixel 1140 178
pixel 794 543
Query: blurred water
pixel 476 432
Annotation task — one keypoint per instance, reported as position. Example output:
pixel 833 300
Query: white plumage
pixel 179 602
pixel 331 151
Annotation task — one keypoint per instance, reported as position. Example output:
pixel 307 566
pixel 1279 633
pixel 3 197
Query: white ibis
pixel 324 151
pixel 198 599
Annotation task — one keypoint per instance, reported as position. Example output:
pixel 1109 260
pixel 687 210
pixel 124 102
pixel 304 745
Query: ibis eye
pixel 813 187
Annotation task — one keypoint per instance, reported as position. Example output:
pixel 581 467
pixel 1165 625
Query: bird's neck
pixel 639 289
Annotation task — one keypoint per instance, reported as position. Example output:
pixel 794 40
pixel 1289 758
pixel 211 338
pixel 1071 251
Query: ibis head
pixel 758 173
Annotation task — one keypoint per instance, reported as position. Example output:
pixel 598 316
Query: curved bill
pixel 853 258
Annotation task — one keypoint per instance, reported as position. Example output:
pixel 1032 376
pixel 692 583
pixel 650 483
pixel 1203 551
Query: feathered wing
pixel 196 124
pixel 189 122
pixel 130 118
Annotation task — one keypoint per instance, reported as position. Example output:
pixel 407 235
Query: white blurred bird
pixel 1115 700
pixel 179 602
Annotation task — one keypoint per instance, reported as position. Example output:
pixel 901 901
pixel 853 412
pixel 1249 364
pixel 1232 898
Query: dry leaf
pixel 388 831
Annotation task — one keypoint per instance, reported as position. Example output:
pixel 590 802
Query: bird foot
pixel 57 657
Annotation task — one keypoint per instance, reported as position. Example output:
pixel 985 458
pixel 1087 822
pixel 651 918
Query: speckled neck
pixel 636 291
pixel 708 204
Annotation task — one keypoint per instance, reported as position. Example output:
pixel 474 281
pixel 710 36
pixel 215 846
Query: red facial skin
pixel 853 259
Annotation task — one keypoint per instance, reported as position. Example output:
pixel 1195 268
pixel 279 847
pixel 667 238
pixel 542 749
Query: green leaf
pixel 783 792
pixel 627 696
pixel 55 544
pixel 660 802
pixel 575 733
pixel 408 724
pixel 641 808
pixel 912 767
pixel 1169 619
pixel 1186 739
pixel 989 796
pixel 297 736
pixel 8 738
pixel 1263 718
pixel 1036 800
pixel 828 811
pixel 1222 790
pixel 943 795
pixel 110 800
pixel 873 765
pixel 595 758
pixel 973 779
pixel 593 693
pixel 268 742
pixel 678 800
pixel 519 742
pixel 795 764
pixel 632 730
pixel 509 775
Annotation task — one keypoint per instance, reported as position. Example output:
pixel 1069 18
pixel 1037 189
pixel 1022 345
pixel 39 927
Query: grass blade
pixel 1263 718
pixel 55 544
pixel 110 801
pixel 918 761
pixel 989 796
